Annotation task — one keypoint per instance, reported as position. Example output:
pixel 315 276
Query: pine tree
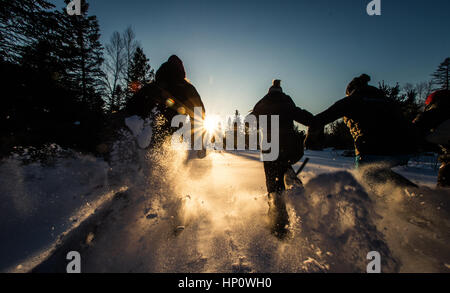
pixel 139 72
pixel 392 93
pixel 82 54
pixel 442 75
pixel 51 64
pixel 22 23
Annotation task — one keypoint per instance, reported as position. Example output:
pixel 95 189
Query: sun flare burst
pixel 210 124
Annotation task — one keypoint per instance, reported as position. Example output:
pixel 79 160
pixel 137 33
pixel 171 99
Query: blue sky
pixel 233 49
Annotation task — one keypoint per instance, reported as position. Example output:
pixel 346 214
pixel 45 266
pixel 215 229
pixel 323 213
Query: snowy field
pixel 166 213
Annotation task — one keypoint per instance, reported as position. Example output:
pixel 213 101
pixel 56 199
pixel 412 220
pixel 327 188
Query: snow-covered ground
pixel 122 218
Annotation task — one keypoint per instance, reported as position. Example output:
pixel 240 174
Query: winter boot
pixel 278 216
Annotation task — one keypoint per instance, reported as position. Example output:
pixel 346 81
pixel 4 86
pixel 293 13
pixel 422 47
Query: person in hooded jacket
pixel 434 122
pixel 290 150
pixel 381 133
pixel 171 94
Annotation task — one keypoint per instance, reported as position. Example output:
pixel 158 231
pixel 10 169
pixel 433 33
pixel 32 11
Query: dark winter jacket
pixel 171 93
pixel 278 103
pixel 376 124
pixel 436 112
pixel 145 100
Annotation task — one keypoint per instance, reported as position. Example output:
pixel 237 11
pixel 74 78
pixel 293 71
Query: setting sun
pixel 211 123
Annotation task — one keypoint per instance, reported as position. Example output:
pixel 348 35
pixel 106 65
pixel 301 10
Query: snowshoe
pixel 380 175
pixel 291 181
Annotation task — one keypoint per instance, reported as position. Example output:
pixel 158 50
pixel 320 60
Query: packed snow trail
pixel 220 203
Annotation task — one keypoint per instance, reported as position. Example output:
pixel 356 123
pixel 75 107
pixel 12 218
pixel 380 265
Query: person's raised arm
pixel 300 115
pixel 303 116
pixel 315 135
pixel 336 111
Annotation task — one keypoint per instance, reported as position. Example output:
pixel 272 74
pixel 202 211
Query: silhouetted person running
pixel 290 150
pixel 171 94
pixel 435 124
pixel 381 134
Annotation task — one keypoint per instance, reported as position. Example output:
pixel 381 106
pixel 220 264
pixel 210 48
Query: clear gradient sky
pixel 233 49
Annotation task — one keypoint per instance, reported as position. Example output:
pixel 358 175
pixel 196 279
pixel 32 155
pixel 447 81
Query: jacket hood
pixel 357 83
pixel 171 71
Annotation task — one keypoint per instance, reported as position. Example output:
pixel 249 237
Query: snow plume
pixel 415 223
pixel 141 130
pixel 129 151
pixel 183 214
pixel 210 216
pixel 336 221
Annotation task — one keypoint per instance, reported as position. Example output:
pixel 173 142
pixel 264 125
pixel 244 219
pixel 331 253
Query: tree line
pixel 60 84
